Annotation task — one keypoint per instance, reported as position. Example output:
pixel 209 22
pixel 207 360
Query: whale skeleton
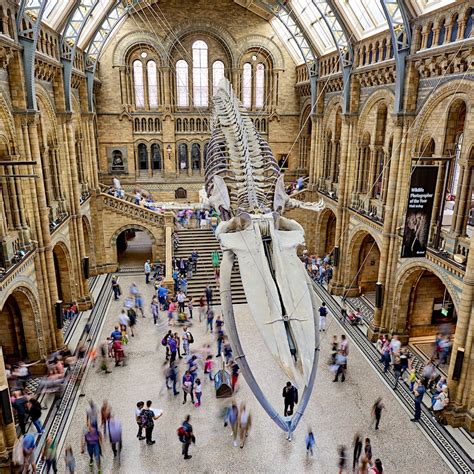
pixel 244 183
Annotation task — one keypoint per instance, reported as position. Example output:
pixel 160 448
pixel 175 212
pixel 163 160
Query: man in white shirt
pixel 124 319
pixel 147 268
pixel 181 297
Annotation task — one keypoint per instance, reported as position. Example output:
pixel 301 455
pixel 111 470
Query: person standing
pixel 357 450
pixel 419 392
pixel 377 412
pixel 180 297
pixel 188 387
pixel 235 374
pixel 290 395
pixel 147 268
pixel 208 292
pixel 155 309
pixel 190 307
pixel 198 392
pixel 186 338
pixel 172 376
pixel 188 437
pixel 138 411
pixel 202 308
pixel 210 320
pixel 148 417
pixel 115 287
pixel 323 312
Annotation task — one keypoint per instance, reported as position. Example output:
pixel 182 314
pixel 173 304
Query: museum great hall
pixel 106 116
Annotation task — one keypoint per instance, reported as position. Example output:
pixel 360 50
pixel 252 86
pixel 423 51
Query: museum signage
pixel 419 210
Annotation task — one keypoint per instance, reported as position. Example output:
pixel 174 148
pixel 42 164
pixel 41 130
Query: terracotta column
pixel 44 237
pixel 169 227
pixel 462 200
pixel 7 432
pixel 460 391
pixel 389 220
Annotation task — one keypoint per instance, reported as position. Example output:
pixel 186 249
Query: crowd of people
pixel 319 268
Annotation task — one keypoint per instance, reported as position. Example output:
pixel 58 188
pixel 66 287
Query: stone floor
pixel 335 412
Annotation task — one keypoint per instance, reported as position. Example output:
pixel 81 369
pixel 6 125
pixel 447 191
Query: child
pixel 190 307
pixel 310 442
pixel 208 367
pixel 198 392
pixel 412 379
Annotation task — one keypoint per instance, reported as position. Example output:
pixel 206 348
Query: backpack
pixel 182 434
pixel 164 341
pixel 190 337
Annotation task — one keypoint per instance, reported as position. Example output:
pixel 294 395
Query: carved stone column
pixel 462 199
pixel 43 236
pixel 461 393
pixel 7 432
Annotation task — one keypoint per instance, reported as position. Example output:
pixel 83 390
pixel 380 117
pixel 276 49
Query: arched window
pixel 217 74
pixel 196 156
pixel 429 41
pixel 469 23
pixel 200 74
pixel 183 156
pixel 142 157
pixel 182 90
pixel 260 86
pixel 152 85
pixel 454 28
pixel 156 156
pixel 442 32
pixel 139 85
pixel 247 86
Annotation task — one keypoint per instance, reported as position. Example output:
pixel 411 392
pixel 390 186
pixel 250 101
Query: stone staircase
pixel 204 242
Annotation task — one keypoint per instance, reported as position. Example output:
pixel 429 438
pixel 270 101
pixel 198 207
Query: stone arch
pixel 128 42
pixel 6 118
pixel 144 228
pixel 327 232
pixel 206 27
pixel 44 104
pixel 20 318
pixel 454 89
pixel 363 258
pixel 88 241
pixel 409 276
pixel 331 108
pixel 63 270
pixel 383 94
pixel 261 43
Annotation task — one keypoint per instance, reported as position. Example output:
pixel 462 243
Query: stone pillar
pixel 460 410
pixel 169 227
pixel 77 235
pixel 463 196
pixel 44 237
pixel 166 87
pixel 372 167
pixel 7 432
pixel 337 284
pixel 312 153
pixel 95 163
pixel 388 226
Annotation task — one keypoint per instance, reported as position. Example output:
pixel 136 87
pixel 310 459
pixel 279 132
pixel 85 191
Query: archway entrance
pixel 327 233
pixel 426 306
pixel 16 311
pixel 134 247
pixel 364 268
pixel 63 275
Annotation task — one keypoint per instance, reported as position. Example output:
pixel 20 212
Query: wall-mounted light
pixel 168 149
